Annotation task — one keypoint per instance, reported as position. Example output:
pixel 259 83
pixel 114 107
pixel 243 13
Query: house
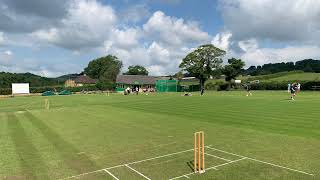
pixel 136 81
pixel 82 80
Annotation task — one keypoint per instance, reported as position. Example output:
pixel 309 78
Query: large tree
pixel 233 69
pixel 105 69
pixel 136 70
pixel 202 62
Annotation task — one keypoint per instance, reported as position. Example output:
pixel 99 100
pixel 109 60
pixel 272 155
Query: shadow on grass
pixel 78 162
pixel 32 164
pixel 191 165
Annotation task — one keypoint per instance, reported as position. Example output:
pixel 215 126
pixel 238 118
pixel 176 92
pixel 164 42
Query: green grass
pixel 84 133
pixel 298 77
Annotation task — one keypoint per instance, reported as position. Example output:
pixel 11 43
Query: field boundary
pixel 188 174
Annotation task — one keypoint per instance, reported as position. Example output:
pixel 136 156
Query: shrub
pixel 105 86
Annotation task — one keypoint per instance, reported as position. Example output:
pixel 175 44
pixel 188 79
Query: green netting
pixel 48 93
pixel 166 85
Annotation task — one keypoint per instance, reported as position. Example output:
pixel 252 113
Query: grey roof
pixel 137 79
pixel 84 79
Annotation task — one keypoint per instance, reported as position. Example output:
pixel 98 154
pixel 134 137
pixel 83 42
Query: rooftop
pixel 84 79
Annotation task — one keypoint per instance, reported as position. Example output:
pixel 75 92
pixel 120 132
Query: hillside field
pixel 265 136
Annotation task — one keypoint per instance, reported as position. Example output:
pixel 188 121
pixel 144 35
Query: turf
pixel 85 133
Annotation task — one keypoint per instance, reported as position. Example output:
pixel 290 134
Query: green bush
pixel 105 86
pixel 223 87
pixel 5 91
pixel 210 86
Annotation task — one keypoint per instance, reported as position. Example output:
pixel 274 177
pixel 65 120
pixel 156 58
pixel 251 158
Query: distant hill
pixel 66 77
pixel 6 79
pixel 307 65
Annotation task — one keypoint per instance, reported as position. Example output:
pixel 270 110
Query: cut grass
pixel 84 133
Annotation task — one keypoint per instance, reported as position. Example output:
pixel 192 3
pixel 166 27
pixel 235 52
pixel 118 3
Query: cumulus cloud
pixel 222 40
pixel 282 21
pixel 86 25
pixel 173 31
pixel 274 55
pixel 160 44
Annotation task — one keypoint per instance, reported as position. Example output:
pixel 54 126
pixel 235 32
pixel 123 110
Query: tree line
pixel 6 79
pixel 307 65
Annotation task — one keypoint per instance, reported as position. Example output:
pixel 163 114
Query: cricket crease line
pixel 210 168
pixel 121 165
pixel 137 172
pixel 218 157
pixel 264 162
pixel 111 174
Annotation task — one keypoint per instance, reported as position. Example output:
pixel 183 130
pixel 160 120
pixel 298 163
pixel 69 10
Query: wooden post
pixel 199 161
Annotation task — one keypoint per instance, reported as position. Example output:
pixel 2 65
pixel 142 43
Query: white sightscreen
pixel 20 88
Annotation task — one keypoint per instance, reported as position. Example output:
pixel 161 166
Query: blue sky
pixel 57 37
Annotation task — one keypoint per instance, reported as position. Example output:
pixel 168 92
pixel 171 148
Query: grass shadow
pixel 191 165
pixel 78 162
pixel 32 164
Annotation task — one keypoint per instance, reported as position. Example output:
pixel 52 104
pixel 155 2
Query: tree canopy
pixel 307 65
pixel 105 69
pixel 233 69
pixel 202 62
pixel 136 70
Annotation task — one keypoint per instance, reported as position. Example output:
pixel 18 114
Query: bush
pixel 5 91
pixel 223 87
pixel 210 86
pixel 105 86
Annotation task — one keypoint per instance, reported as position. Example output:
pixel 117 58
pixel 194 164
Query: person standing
pixel 201 91
pixel 293 90
pixel 248 88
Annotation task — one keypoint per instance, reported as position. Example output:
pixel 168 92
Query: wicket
pixel 199 165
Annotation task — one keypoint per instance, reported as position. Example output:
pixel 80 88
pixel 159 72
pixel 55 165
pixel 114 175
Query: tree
pixel 136 70
pixel 105 69
pixel 179 75
pixel 233 69
pixel 202 62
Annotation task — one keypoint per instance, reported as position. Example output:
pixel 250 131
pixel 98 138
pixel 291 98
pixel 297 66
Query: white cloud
pixel 86 25
pixel 8 53
pixel 158 59
pixel 273 55
pixel 281 21
pixel 222 40
pixel 125 39
pixel 173 31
